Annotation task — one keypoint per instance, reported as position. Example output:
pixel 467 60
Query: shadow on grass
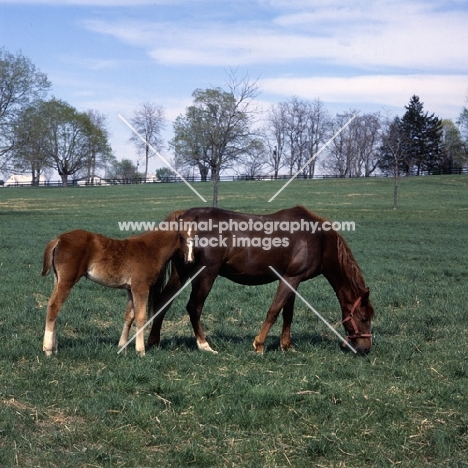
pixel 223 341
pixel 76 342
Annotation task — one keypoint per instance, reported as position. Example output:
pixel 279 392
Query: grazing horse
pixel 243 248
pixel 133 264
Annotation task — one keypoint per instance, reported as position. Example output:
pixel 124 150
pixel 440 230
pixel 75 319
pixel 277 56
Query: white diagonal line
pixel 312 158
pixel 160 310
pixel 159 155
pixel 312 309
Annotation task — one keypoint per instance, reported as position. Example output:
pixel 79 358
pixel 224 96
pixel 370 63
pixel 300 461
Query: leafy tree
pixel 463 125
pixel 99 151
pixel 124 170
pixel 148 120
pixel 54 134
pixel 216 130
pixel 30 133
pixel 164 173
pixel 422 133
pixel 21 83
pixel 190 143
pixel 454 154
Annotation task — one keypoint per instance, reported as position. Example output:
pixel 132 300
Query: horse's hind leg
pixel 128 320
pixel 282 297
pixel 288 311
pixel 59 295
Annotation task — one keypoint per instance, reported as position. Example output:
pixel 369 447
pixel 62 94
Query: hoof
pixel 206 347
pixel 286 346
pixel 257 347
pixel 152 343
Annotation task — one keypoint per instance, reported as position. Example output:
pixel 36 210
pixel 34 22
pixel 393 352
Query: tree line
pixel 222 130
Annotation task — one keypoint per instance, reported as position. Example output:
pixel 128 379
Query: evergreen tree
pixel 422 133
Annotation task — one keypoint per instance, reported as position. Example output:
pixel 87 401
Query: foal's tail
pixel 49 256
pixel 157 288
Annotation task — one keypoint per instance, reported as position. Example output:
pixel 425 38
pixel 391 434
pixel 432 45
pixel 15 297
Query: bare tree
pixel 393 154
pixel 296 125
pixel 275 137
pixel 342 158
pixel 355 151
pixel 254 159
pixel 148 120
pixel 295 130
pixel 318 128
pixel 367 134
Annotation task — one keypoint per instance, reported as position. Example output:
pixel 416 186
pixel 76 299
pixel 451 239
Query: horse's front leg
pixel 288 312
pixel 128 320
pixel 140 297
pixel 282 297
pixel 59 295
pixel 200 290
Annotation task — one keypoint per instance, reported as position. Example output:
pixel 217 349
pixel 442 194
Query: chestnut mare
pixel 297 256
pixel 133 264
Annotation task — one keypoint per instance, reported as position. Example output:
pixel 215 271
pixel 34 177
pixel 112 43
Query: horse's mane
pixel 349 264
pixel 345 257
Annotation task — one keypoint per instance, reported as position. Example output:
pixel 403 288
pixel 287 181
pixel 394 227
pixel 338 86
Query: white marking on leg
pixel 140 342
pixel 50 343
pixel 205 347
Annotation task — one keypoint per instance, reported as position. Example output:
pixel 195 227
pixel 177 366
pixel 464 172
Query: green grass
pixel 404 404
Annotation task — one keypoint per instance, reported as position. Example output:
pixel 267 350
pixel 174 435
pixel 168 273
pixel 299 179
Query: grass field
pixel 405 404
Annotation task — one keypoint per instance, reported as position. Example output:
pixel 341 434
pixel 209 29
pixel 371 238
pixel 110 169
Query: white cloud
pixel 94 3
pixel 441 94
pixel 409 36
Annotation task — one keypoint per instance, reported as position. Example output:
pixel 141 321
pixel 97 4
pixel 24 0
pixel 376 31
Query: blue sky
pixel 112 55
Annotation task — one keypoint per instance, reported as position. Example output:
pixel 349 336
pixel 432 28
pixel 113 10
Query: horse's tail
pixel 49 256
pixel 157 288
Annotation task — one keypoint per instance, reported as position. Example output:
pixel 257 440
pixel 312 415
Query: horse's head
pixel 357 324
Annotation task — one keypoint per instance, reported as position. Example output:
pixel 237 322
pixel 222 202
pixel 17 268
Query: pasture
pixel 405 404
